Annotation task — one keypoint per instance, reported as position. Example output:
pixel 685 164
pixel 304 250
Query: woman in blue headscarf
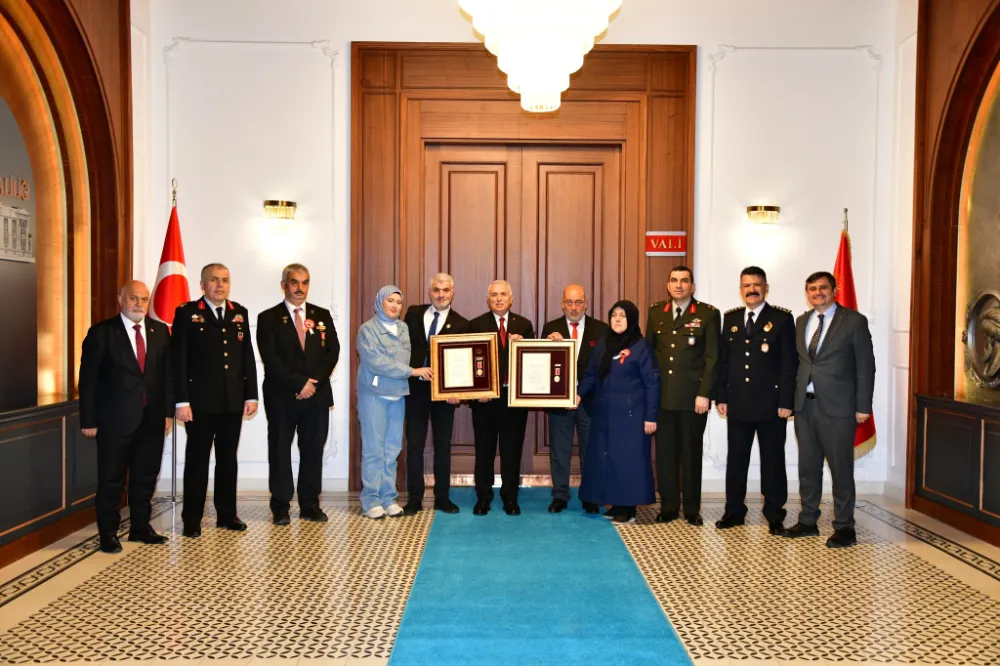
pixel 383 344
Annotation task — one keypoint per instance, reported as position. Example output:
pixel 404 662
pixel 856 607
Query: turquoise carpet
pixel 538 588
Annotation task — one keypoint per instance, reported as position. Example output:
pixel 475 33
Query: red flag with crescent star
pixel 864 436
pixel 171 288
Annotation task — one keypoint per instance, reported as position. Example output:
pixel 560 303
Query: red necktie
pixel 575 324
pixel 300 328
pixel 503 333
pixel 140 349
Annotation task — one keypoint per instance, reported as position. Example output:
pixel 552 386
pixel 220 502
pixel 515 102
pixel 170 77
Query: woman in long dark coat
pixel 624 382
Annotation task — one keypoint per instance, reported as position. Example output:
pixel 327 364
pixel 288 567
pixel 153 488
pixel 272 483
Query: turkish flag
pixel 864 436
pixel 171 288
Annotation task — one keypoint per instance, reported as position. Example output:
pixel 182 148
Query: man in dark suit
pixel 493 420
pixel 757 362
pixel 216 379
pixel 562 422
pixel 685 336
pixel 299 347
pixel 127 402
pixel 424 321
pixel 833 394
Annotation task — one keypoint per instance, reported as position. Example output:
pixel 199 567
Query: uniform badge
pixel 764 347
pixel 240 336
pixel 230 304
pixel 691 341
pixel 692 309
pixel 320 326
pixel 768 326
pixel 310 325
pixel 201 305
pixel 322 338
pixel 734 329
pixel 197 318
pixel 238 319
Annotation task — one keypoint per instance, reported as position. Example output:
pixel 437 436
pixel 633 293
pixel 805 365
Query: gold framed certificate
pixel 542 373
pixel 464 366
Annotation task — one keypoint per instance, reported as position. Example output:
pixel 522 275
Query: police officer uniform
pixel 686 343
pixel 216 374
pixel 757 365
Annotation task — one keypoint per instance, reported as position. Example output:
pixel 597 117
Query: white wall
pixel 795 115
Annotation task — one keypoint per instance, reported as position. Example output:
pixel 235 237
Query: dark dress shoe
pixel 110 544
pixel 235 525
pixel 512 509
pixel 611 512
pixel 314 515
pixel 481 509
pixel 557 506
pixel 412 508
pixel 591 508
pixel 776 527
pixel 281 519
pixel 730 520
pixel 799 530
pixel 842 538
pixel 695 520
pixel 667 516
pixel 192 531
pixel 445 506
pixel 148 536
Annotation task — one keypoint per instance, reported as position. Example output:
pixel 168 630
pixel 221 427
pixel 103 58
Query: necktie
pixel 430 334
pixel 218 313
pixel 503 333
pixel 575 334
pixel 300 328
pixel 140 349
pixel 814 342
pixel 678 315
pixel 749 323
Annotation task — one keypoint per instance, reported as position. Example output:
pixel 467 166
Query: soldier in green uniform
pixel 685 335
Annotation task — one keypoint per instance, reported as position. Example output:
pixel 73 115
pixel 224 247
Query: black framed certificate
pixel 542 373
pixel 464 366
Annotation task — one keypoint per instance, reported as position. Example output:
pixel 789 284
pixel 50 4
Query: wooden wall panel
pixel 989 491
pixel 478 120
pixel 951 448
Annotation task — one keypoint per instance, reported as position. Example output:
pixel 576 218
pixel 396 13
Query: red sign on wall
pixel 666 243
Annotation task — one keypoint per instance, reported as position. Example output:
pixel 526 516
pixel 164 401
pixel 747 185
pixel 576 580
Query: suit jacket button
pixel 671 358
pixel 747 367
pixel 672 345
pixel 225 342
pixel 223 330
pixel 227 354
pixel 227 367
pixel 670 372
pixel 748 380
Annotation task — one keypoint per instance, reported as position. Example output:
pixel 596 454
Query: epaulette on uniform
pixel 657 304
pixel 737 309
pixel 778 307
pixel 707 305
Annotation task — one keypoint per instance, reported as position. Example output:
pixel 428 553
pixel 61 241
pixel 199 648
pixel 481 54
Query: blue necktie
pixel 434 328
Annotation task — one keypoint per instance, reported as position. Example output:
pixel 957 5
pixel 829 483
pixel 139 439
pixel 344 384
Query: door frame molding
pixel 405 95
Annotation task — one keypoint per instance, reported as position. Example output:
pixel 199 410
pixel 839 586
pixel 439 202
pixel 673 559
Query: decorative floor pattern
pixel 743 594
pixel 309 590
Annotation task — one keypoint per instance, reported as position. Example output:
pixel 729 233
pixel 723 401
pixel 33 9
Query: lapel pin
pixel 733 329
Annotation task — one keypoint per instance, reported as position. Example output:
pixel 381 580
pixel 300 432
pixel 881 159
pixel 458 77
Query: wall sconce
pixel 281 210
pixel 763 214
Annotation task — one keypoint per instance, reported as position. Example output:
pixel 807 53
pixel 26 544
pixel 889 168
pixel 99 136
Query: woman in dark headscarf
pixel 624 379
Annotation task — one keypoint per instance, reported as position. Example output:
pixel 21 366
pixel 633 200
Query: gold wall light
pixel 281 210
pixel 763 214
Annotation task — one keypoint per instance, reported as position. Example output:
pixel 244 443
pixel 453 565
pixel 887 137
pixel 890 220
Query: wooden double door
pixel 540 217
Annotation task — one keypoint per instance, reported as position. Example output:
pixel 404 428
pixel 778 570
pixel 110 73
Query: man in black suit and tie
pixel 216 379
pixel 424 321
pixel 833 394
pixel 562 422
pixel 757 363
pixel 126 402
pixel 299 347
pixel 493 420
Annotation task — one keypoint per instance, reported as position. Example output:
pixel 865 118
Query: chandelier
pixel 539 43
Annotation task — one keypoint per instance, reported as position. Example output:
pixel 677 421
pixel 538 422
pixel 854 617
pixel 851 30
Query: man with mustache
pixel 216 381
pixel 757 364
pixel 127 403
pixel 299 347
pixel 425 321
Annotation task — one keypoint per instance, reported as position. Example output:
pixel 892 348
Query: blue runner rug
pixel 538 588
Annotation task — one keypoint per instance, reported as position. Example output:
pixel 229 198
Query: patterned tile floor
pixel 913 591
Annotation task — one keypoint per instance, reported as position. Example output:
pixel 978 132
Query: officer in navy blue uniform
pixel 756 390
pixel 216 386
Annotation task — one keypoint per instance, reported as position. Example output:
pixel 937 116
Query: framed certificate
pixel 464 366
pixel 542 373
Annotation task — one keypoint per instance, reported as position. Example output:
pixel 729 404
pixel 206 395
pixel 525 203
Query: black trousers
pixel 419 411
pixel 139 453
pixel 494 421
pixel 313 425
pixel 204 430
pixel 561 427
pixel 679 446
pixel 773 479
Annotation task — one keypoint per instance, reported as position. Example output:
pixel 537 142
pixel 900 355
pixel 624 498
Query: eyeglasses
pixel 578 304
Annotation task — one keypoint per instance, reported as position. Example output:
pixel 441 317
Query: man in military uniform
pixel 216 386
pixel 756 391
pixel 685 335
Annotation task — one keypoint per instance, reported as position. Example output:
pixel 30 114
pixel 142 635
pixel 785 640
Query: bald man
pixel 575 324
pixel 127 403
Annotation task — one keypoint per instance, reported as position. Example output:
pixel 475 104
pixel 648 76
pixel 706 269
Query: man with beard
pixel 299 347
pixel 127 403
pixel 424 322
pixel 757 364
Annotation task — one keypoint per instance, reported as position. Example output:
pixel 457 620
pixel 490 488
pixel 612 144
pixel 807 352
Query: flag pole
pixel 845 219
pixel 173 430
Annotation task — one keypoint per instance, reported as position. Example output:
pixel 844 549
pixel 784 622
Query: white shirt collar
pixel 431 310
pixel 291 309
pixel 756 311
pixel 506 318
pixel 682 305
pixel 579 324
pixel 129 324
pixel 828 315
